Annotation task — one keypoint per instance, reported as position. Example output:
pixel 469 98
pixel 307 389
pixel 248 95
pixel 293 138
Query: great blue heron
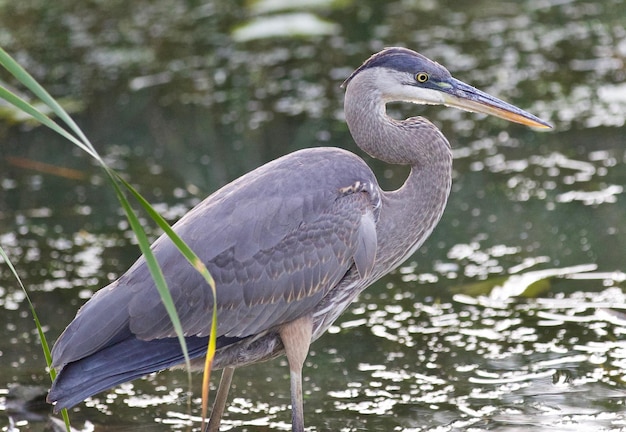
pixel 290 244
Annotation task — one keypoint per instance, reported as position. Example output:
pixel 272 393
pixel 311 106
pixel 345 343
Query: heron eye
pixel 421 77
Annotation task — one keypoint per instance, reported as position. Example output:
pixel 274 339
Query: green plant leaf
pixel 197 263
pixel 79 139
pixel 42 337
pixel 30 110
pixel 29 82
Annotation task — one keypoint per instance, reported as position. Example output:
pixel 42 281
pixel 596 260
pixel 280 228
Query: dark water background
pixel 512 317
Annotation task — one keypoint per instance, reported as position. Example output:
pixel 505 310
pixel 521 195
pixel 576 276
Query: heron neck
pixel 409 214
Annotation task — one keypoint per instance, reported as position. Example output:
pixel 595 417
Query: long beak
pixel 460 95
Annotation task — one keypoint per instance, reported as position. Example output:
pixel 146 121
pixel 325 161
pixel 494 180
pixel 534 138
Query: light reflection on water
pixel 492 361
pixel 475 363
pixel 510 318
pixel 523 362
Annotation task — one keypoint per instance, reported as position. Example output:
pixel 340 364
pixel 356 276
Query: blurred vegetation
pixel 176 100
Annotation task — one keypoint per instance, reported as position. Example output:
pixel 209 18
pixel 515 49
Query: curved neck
pixel 409 214
pixel 414 141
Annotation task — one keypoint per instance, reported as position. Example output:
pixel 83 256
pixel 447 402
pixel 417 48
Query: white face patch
pixel 394 86
pixel 421 95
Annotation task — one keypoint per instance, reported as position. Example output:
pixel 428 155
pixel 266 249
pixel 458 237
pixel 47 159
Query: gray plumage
pixel 290 244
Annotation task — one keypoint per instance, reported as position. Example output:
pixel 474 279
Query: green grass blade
pixel 27 108
pixel 153 265
pixel 42 337
pixel 165 226
pixel 29 82
pixel 80 140
pixel 184 249
pixel 197 263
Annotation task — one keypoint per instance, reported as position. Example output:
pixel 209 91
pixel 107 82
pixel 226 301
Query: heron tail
pixel 119 363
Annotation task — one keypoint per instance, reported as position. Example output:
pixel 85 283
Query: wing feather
pixel 276 241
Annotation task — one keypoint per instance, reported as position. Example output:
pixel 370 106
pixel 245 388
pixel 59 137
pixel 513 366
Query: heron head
pixel 404 75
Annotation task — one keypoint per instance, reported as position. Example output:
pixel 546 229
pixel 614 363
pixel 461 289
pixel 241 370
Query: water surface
pixel 510 318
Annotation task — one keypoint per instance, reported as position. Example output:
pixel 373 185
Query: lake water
pixel 512 317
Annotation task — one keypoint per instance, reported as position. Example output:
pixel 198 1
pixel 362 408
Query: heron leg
pixel 296 338
pixel 220 400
